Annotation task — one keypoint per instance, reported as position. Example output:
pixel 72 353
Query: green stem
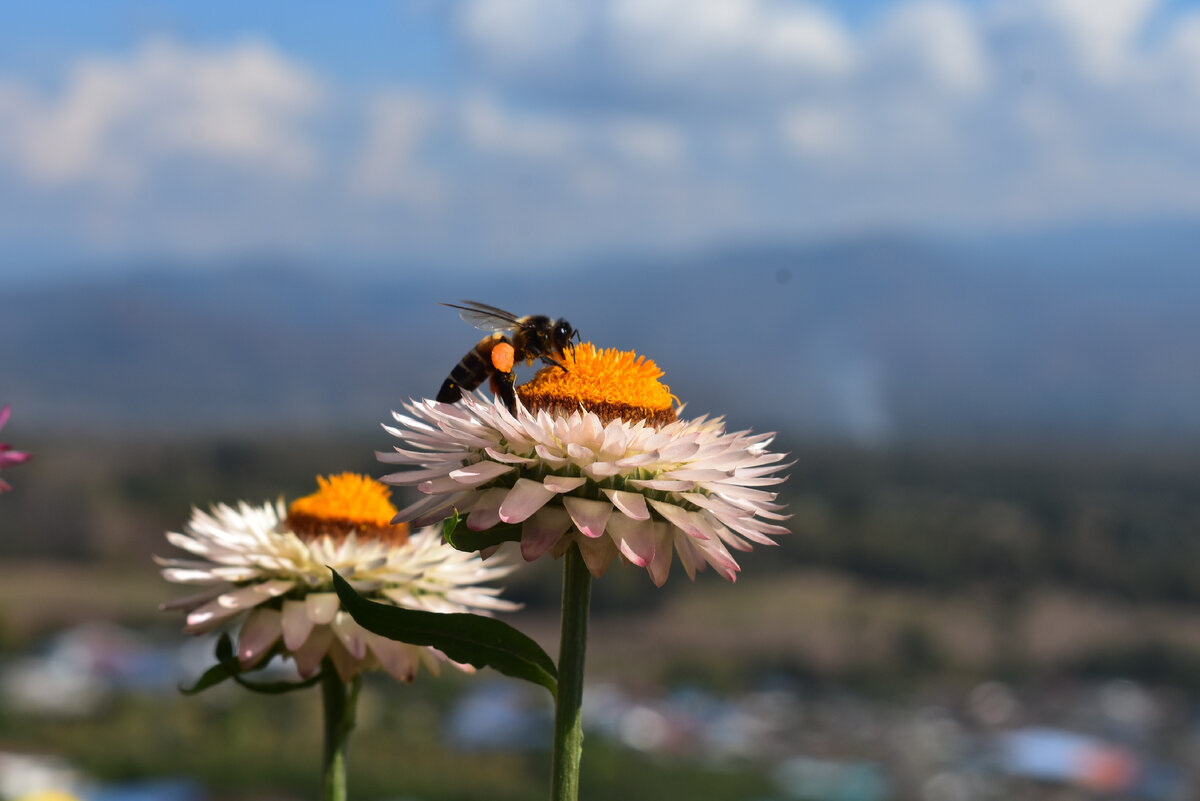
pixel 572 650
pixel 339 700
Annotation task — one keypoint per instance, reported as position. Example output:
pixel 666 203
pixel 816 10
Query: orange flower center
pixel 345 503
pixel 610 383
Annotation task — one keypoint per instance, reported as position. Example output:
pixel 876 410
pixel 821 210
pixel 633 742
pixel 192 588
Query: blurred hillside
pixel 1068 335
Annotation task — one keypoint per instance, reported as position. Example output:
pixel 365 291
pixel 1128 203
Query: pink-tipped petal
pixel 630 504
pixel 321 606
pixel 680 518
pixel 397 658
pixel 633 538
pixel 487 509
pixel 660 565
pixel 561 484
pixel 597 554
pixel 259 633
pixel 525 498
pixel 351 635
pixel 589 516
pixel 297 624
pixel 479 473
pixel 346 664
pixel 542 530
pixel 308 657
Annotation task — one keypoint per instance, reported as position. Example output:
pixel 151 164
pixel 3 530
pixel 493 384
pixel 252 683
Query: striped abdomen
pixel 471 371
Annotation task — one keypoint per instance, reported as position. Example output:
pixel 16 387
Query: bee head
pixel 560 340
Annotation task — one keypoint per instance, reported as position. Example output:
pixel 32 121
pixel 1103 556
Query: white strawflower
pixel 593 455
pixel 270 565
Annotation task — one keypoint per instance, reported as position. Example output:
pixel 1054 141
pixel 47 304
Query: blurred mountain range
pixel 1091 332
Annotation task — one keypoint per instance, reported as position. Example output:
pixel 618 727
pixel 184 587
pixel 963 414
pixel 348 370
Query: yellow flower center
pixel 608 382
pixel 345 503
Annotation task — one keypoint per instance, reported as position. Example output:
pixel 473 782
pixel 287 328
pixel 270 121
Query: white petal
pixel 507 458
pixel 297 624
pixel 260 631
pixel 598 471
pixel 563 484
pixel 680 518
pixel 590 516
pixel 321 607
pixel 525 498
pixel 679 451
pixel 352 636
pixel 696 474
pixel 480 473
pixel 191 601
pixel 663 485
pixel 542 530
pixel 630 504
pixel 556 461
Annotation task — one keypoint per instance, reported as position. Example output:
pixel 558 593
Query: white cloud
pixel 493 128
pixel 115 119
pixel 1103 33
pixel 941 39
pixel 398 123
pixel 648 141
pixel 519 32
pixel 817 133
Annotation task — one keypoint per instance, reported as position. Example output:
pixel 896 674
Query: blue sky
pixel 502 133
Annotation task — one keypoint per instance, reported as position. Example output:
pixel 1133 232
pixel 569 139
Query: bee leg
pixel 502 386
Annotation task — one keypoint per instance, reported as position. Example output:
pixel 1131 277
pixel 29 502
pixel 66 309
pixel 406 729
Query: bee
pixel 534 336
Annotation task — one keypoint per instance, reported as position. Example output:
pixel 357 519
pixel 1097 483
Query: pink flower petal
pixel 660 565
pixel 352 636
pixel 487 509
pixel 479 473
pixel 598 471
pixel 630 504
pixel 561 484
pixel 542 530
pixel 633 538
pixel 597 554
pixel 259 633
pixel 507 458
pixel 297 624
pixel 680 518
pixel 663 484
pixel 309 655
pixel 321 607
pixel 525 498
pixel 399 659
pixel 590 516
pixel 346 664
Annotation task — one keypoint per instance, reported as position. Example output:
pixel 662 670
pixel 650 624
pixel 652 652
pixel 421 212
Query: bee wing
pixel 485 317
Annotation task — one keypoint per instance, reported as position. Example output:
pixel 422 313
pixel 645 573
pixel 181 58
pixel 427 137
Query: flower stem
pixel 572 649
pixel 339 700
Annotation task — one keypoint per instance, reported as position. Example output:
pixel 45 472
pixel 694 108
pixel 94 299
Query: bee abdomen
pixel 471 371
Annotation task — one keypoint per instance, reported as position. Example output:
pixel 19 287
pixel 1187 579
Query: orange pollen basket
pixel 347 503
pixel 610 383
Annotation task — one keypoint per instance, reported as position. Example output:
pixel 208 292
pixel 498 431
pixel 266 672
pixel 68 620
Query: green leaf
pixel 461 538
pixel 473 639
pixel 277 687
pixel 228 667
